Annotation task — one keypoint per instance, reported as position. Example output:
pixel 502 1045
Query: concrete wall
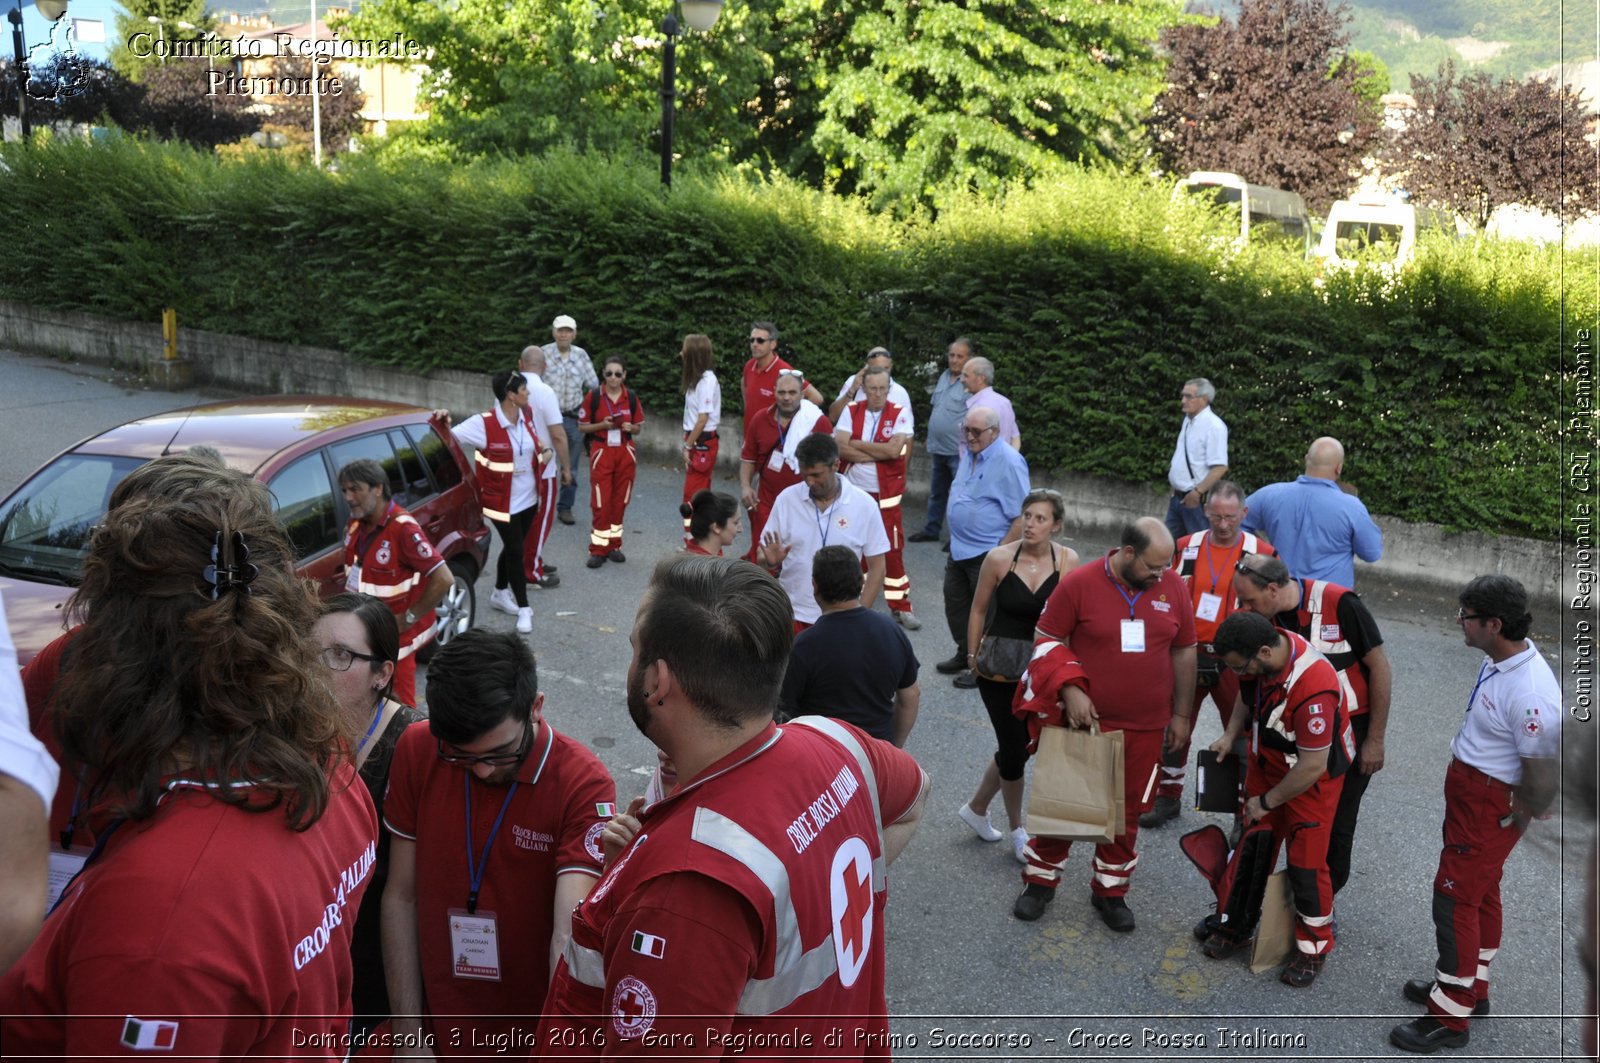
pixel 1424 557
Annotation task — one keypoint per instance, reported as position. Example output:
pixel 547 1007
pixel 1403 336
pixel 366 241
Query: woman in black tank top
pixel 1019 578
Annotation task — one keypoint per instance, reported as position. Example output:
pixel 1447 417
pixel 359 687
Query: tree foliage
pixel 1474 143
pixel 339 113
pixel 1273 95
pixel 172 103
pixel 137 38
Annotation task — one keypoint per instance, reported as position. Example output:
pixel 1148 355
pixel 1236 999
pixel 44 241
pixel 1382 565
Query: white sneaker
pixel 524 620
pixel 1019 844
pixel 503 601
pixel 980 824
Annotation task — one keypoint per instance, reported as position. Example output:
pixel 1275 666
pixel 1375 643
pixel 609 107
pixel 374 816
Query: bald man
pixel 1317 526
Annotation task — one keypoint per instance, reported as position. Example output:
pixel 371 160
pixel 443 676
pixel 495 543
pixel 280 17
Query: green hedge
pixel 1095 296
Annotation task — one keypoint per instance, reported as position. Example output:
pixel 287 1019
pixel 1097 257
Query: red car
pixel 293 444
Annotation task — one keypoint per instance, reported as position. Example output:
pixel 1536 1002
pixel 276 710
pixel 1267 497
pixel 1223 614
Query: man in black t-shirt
pixel 853 664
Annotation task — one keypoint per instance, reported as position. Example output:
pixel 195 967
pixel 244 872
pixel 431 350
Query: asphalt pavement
pixel 966 980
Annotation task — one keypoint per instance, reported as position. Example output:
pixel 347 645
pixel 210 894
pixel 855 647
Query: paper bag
pixel 1077 785
pixel 1275 932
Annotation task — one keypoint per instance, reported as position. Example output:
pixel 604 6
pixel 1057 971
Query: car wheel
pixel 459 609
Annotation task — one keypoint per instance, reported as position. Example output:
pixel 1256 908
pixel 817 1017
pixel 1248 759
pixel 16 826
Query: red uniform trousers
pixel 1175 764
pixel 695 480
pixel 544 519
pixel 1466 890
pixel 405 680
pixel 1304 823
pixel 896 584
pixel 1113 861
pixel 611 472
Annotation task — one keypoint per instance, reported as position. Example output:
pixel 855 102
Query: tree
pixel 1474 143
pixel 340 112
pixel 1274 97
pixel 174 103
pixel 140 42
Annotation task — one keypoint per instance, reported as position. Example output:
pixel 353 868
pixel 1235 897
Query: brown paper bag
pixel 1119 785
pixel 1077 785
pixel 1275 932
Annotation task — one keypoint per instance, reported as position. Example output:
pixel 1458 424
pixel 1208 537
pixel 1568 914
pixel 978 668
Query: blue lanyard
pixel 475 871
pixel 1483 677
pixel 377 714
pixel 1131 601
pixel 872 436
pixel 99 844
pixel 820 515
pixel 72 821
pixel 1211 563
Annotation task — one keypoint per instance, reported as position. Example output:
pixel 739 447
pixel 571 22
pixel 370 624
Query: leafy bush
pixel 1095 295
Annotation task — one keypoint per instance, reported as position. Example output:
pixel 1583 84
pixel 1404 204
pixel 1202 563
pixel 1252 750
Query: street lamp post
pixel 161 36
pixel 700 15
pixel 14 16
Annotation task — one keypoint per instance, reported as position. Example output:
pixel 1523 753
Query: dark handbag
pixel 1003 660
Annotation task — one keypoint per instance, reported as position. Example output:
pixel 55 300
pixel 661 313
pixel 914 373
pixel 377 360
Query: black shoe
pixel 1114 911
pixel 966 681
pixel 1207 926
pixel 1031 904
pixel 952 665
pixel 617 555
pixel 1164 809
pixel 549 570
pixel 1426 1034
pixel 1302 969
pixel 1221 944
pixel 945 547
pixel 550 582
pixel 1417 989
pixel 565 516
pixel 923 537
pixel 596 560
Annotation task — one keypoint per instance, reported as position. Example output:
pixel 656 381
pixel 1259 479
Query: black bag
pixel 1003 660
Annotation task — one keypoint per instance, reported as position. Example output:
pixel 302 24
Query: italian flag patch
pixel 605 809
pixel 649 945
pixel 149 1035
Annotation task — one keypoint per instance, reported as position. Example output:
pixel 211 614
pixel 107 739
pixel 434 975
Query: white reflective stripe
pixel 1251 544
pixel 1110 881
pixel 833 730
pixel 894 596
pixel 1311 948
pixel 1151 785
pixel 1483 972
pixel 1101 865
pixel 495 466
pixel 897 581
pixel 1173 773
pixel 890 502
pixel 1350 699
pixel 1314 920
pixel 379 590
pixel 1448 1006
pixel 495 514
pixel 586 966
pixel 1313 605
pixel 766 996
pixel 1485 955
pixel 1451 979
pixel 599 538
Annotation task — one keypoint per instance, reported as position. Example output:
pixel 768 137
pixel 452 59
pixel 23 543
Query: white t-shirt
pixel 852 520
pixel 865 474
pixel 897 394
pixel 706 398
pixel 1514 711
pixel 22 756
pixel 1202 443
pixel 546 411
pixel 524 454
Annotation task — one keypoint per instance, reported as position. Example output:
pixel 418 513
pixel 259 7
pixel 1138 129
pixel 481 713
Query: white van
pixel 1265 213
pixel 1376 231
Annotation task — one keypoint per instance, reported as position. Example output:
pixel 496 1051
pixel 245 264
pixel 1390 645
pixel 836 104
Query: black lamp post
pixel 21 49
pixel 700 15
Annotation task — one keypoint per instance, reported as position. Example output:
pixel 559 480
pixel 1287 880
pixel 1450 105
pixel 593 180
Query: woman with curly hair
pixel 233 844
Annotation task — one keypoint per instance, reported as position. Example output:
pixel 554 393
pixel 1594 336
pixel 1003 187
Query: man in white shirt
pixel 824 509
pixel 1198 461
pixel 1504 773
pixel 854 389
pixel 874 434
pixel 547 420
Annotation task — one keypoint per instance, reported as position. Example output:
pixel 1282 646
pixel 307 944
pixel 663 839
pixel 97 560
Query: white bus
pixel 1265 213
pixel 1376 230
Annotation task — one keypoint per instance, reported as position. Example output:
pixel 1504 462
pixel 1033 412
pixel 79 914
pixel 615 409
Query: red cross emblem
pixel 633 1009
pixel 850 886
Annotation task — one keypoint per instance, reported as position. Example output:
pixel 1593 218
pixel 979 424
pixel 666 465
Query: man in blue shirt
pixel 1314 524
pixel 944 436
pixel 985 510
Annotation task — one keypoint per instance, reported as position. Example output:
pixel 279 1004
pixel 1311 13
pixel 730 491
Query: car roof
pixel 246 432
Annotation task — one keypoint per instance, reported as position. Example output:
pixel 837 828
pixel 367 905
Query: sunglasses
pixel 792 372
pixel 618 374
pixel 756 341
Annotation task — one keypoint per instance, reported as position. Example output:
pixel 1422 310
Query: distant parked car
pixel 293 444
pixel 1265 214
pixel 1377 231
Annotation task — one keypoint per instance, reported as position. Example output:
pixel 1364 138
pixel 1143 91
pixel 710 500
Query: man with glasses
pixel 771 440
pixel 985 511
pixel 1504 771
pixel 944 436
pixel 1199 460
pixel 1318 527
pixel 388 555
pixel 1206 562
pixel 496 823
pixel 759 381
pixel 1338 623
pixel 1299 752
pixel 1115 645
pixel 570 373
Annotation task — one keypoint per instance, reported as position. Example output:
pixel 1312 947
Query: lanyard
pixel 99 845
pixel 783 429
pixel 1131 601
pixel 822 515
pixel 72 821
pixel 611 407
pixel 363 544
pixel 475 871
pixel 1211 563
pixel 872 436
pixel 377 714
pixel 1483 677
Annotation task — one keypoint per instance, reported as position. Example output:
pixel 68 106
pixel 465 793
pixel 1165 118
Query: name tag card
pixel 1133 636
pixel 776 461
pixel 474 945
pixel 352 578
pixel 614 437
pixel 64 863
pixel 1208 606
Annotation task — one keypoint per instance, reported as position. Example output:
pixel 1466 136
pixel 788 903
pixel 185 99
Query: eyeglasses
pixel 618 374
pixel 340 658
pixel 1462 614
pixel 974 433
pixel 1243 669
pixel 501 759
pixel 756 341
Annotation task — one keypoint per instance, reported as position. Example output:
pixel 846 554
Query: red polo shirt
pixel 761 438
pixel 551 826
pixel 1087 610
pixel 758 385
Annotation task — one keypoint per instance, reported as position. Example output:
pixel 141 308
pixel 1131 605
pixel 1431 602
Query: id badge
pixel 614 437
pixel 1208 606
pixel 1191 552
pixel 775 462
pixel 64 863
pixel 1133 636
pixel 474 945
pixel 352 579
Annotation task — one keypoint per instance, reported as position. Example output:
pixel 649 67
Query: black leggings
pixel 1010 732
pixel 508 570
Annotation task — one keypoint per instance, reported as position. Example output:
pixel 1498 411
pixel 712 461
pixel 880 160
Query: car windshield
pixel 1368 239
pixel 45 526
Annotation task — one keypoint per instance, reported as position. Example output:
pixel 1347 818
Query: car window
pixel 417 487
pixel 302 497
pixel 437 456
pixel 45 526
pixel 375 446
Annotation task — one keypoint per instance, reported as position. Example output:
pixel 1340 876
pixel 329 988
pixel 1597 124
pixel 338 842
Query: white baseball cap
pixel 564 321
